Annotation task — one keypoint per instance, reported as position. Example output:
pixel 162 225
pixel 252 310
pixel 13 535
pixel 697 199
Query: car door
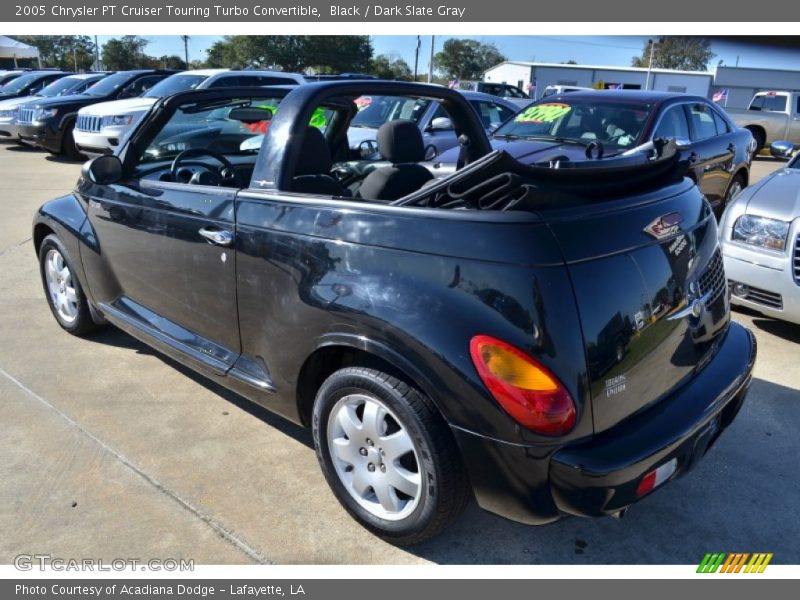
pixel 164 265
pixel 712 151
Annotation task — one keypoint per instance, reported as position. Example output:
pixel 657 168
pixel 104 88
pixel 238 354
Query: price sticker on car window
pixel 543 113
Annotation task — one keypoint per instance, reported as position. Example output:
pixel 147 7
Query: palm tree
pixel 186 39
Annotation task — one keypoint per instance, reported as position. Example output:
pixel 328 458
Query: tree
pixel 322 53
pixel 683 53
pixel 125 53
pixel 66 52
pixel 390 66
pixel 569 62
pixel 466 59
pixel 169 62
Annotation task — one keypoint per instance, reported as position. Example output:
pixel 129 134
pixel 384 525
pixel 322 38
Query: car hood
pixel 119 107
pixel 527 151
pixel 778 197
pixel 11 103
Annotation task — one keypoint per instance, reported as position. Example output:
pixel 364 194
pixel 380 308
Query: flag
pixel 720 95
pixel 454 84
pixel 614 86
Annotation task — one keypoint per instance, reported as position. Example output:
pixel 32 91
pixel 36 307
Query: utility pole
pixel 650 64
pixel 185 39
pixel 75 58
pixel 430 64
pixel 96 55
pixel 416 56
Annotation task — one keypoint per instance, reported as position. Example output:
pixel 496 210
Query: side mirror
pixel 368 149
pixel 782 149
pixel 103 170
pixel 441 124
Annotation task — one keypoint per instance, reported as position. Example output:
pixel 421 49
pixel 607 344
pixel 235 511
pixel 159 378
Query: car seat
pixel 400 142
pixel 312 173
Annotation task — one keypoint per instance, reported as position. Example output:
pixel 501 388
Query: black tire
pixel 83 322
pixel 736 183
pixel 760 139
pixel 68 148
pixel 444 492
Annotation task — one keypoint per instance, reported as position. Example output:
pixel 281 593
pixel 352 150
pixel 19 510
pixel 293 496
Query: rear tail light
pixel 527 390
pixel 656 477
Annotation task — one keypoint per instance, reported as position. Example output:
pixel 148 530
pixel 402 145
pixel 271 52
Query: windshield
pixel 59 86
pixel 20 83
pixel 614 124
pixel 210 126
pixel 175 84
pixel 374 111
pixel 109 85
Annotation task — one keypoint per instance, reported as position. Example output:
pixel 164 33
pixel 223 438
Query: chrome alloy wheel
pixel 735 189
pixel 374 456
pixel 60 286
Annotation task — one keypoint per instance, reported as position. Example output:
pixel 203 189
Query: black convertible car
pixel 555 341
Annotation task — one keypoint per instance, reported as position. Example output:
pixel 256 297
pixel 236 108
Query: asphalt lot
pixel 111 450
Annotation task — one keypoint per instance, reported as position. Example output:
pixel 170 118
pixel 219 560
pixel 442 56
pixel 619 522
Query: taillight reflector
pixel 526 390
pixel 656 477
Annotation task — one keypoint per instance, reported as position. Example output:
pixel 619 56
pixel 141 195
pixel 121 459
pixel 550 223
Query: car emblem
pixel 665 225
pixel 695 304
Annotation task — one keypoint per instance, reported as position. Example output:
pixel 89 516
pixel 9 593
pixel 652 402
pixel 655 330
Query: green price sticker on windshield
pixel 543 113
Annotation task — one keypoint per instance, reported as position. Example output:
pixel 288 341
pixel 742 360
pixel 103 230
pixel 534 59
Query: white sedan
pixel 760 238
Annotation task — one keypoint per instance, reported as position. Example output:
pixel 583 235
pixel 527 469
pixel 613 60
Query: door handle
pixel 220 237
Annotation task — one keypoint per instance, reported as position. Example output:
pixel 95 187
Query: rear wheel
pixel 62 289
pixel 734 189
pixel 759 137
pixel 388 455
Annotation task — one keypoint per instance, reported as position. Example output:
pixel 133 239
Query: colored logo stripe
pixel 734 562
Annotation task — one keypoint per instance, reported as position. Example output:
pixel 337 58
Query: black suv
pixel 29 84
pixel 48 123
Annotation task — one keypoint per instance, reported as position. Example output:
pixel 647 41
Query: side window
pixel 492 114
pixel 722 125
pixel 673 124
pixel 141 85
pixel 702 122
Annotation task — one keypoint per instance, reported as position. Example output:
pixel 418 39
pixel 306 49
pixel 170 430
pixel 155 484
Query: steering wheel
pixel 226 171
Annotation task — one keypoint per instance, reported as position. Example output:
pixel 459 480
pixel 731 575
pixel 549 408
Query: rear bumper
pixel 538 484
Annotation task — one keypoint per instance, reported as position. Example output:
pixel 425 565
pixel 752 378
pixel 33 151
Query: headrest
pixel 400 141
pixel 315 155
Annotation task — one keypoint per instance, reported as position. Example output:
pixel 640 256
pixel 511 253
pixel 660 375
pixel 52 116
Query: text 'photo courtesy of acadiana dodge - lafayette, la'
pixel 244 10
pixel 156 589
pixel 397 299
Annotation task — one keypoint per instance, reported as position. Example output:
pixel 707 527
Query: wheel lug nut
pixel 383 468
pixel 370 442
pixel 362 451
pixel 370 467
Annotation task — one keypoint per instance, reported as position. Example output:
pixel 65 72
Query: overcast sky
pixel 593 50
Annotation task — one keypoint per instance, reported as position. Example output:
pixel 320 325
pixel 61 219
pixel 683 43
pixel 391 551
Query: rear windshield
pixel 175 84
pixel 615 124
pixel 769 103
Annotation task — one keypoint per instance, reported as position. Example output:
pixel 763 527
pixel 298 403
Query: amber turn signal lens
pixel 526 390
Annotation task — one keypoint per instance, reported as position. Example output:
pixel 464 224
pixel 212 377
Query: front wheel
pixel 388 455
pixel 63 290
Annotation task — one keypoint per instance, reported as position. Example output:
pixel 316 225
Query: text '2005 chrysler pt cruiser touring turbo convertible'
pixel 553 338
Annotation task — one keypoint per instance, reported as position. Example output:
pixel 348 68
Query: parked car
pixel 433 335
pixel 502 90
pixel 770 117
pixel 100 127
pixel 71 84
pixel 760 238
pixel 49 123
pixel 557 90
pixel 30 83
pixel 608 123
pixel 6 76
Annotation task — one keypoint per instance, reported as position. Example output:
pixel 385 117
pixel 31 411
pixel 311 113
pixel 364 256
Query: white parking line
pixel 220 529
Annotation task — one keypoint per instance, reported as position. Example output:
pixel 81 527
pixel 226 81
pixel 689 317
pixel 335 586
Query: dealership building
pixel 741 82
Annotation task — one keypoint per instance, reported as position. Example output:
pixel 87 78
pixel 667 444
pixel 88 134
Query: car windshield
pixel 59 86
pixel 109 85
pixel 374 111
pixel 211 127
pixel 614 124
pixel 175 84
pixel 20 83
